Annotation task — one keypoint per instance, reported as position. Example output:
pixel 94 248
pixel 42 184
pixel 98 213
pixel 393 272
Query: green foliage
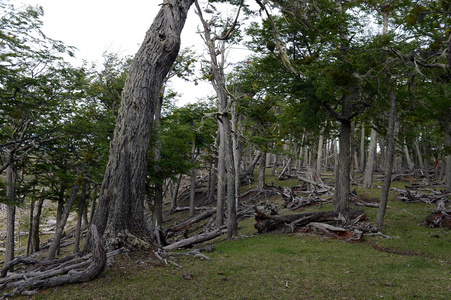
pixel 178 130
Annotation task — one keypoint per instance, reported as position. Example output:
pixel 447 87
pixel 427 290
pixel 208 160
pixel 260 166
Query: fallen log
pixel 334 231
pixel 267 223
pixel 318 184
pixel 441 218
pixel 185 208
pixel 194 240
pixel 187 223
pixel 92 269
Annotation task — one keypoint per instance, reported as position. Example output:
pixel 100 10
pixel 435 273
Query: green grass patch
pixel 273 266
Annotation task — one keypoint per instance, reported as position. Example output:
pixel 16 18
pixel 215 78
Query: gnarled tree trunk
pixel 120 211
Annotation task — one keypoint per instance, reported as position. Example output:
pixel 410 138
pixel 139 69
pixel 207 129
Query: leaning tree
pixel 120 214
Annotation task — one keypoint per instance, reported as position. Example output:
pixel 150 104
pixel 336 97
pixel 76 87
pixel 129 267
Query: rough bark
pixel 343 182
pixel 121 203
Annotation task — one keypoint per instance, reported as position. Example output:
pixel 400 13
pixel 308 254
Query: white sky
pixel 116 26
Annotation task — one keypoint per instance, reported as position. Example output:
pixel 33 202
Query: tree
pixel 120 213
pixel 34 83
pixel 216 43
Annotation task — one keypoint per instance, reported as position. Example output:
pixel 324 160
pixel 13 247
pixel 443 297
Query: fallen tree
pixel 439 218
pixel 206 236
pixel 419 193
pixel 267 223
pixel 51 273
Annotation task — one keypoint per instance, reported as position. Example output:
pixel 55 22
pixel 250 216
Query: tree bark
pixel 81 210
pixel 10 212
pixel 343 182
pixel 261 172
pixel 225 150
pixel 34 237
pixel 369 168
pixel 448 158
pixel 362 147
pixel 418 154
pixel 94 269
pixel 61 224
pixel 319 155
pixel 175 192
pixel 408 160
pixel 120 211
pixel 268 223
pixel 389 160
pixel 157 213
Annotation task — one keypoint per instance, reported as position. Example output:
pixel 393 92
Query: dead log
pixel 185 208
pixel 318 184
pixel 441 218
pixel 267 223
pixel 206 236
pixel 334 231
pixel 95 267
pixel 366 204
pixel 187 223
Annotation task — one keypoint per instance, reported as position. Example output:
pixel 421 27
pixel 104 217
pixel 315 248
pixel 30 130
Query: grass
pixel 273 266
pixel 415 263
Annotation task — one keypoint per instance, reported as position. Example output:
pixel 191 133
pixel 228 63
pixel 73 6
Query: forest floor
pixel 411 261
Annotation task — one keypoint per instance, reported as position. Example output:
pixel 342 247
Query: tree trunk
pixel 81 209
pixel 369 168
pixel 225 150
pixel 418 154
pixel 157 213
pixel 120 212
pixel 389 162
pixel 362 147
pixel 261 172
pixel 448 158
pixel 34 237
pixel 61 224
pixel 10 212
pixel 319 156
pixel 175 192
pixel 408 160
pixel 220 177
pixel 250 169
pixel 237 145
pixel 192 190
pixel 343 182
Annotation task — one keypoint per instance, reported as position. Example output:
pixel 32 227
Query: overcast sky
pixel 117 26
